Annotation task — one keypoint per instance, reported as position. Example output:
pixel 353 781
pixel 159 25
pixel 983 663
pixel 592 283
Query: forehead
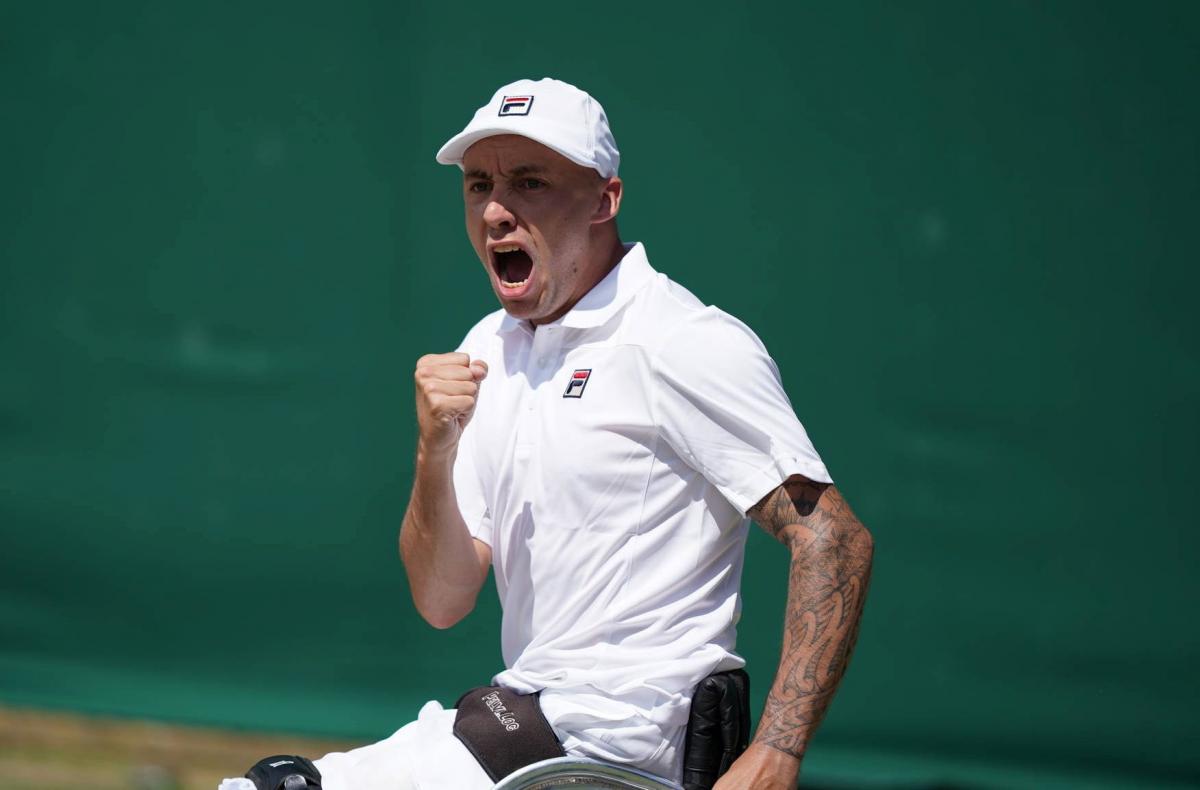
pixel 503 153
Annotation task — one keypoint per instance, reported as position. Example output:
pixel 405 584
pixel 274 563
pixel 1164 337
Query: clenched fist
pixel 447 388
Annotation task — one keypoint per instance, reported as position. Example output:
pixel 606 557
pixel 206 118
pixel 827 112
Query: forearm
pixel 827 586
pixel 443 568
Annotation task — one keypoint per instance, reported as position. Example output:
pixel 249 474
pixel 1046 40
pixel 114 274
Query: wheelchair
pixel 718 732
pixel 581 773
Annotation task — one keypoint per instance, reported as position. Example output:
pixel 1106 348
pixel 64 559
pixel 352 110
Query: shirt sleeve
pixel 468 489
pixel 720 404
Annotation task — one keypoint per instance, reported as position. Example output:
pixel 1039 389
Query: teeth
pixel 505 248
pixel 507 284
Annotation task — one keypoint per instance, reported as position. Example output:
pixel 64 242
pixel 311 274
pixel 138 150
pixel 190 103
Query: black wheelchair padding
pixel 284 772
pixel 718 728
pixel 504 730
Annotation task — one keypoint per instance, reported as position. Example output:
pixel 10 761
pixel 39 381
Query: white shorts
pixel 423 755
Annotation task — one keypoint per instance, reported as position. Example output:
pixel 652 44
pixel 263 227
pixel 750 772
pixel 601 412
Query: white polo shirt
pixel 609 464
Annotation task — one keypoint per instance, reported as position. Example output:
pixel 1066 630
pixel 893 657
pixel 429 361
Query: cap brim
pixel 455 149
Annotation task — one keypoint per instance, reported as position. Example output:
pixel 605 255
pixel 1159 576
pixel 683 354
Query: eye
pixel 479 187
pixel 531 183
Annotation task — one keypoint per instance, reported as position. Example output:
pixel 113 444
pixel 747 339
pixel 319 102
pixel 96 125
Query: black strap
pixel 284 772
pixel 504 730
pixel 718 729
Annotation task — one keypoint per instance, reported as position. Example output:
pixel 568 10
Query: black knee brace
pixel 284 772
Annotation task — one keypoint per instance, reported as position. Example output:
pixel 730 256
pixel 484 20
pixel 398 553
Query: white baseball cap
pixel 555 114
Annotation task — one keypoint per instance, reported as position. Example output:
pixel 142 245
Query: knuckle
pixel 433 360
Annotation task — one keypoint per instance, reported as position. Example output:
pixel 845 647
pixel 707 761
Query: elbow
pixel 442 597
pixel 854 542
pixel 865 543
pixel 443 614
pixel 866 539
pixel 442 620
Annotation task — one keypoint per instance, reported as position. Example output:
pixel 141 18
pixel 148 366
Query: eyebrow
pixel 516 172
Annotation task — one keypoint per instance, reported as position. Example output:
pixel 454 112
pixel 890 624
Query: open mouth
pixel 513 265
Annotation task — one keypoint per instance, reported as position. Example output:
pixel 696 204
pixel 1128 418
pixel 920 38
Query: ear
pixel 610 201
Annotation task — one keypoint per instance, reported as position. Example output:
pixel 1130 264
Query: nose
pixel 497 215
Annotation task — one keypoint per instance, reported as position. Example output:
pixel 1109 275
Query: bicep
pixel 792 501
pixel 800 511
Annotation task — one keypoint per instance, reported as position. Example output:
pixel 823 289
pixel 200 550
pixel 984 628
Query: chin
pixel 516 309
pixel 523 309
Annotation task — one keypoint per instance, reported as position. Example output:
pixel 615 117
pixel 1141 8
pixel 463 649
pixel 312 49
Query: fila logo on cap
pixel 516 105
pixel 579 380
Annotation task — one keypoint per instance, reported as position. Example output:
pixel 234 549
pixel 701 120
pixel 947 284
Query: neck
pixel 608 252
pixel 611 255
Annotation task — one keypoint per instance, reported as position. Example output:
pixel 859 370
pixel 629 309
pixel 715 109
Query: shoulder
pixel 678 327
pixel 480 337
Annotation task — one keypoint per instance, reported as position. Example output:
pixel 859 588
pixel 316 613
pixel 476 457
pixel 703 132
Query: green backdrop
pixel 966 231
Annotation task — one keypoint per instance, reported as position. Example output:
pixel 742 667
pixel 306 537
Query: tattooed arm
pixel 831 565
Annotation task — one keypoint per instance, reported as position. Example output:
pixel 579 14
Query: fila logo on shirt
pixel 579 380
pixel 516 105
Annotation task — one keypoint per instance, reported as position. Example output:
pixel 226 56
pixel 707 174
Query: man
pixel 599 443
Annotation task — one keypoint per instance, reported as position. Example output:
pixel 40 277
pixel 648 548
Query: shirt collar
pixel 606 297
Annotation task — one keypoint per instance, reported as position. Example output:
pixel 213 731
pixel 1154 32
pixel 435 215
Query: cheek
pixel 565 233
pixel 568 246
pixel 476 233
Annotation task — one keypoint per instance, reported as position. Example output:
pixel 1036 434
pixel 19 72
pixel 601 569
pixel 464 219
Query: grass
pixel 40 750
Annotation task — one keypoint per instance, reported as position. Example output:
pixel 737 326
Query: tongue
pixel 515 267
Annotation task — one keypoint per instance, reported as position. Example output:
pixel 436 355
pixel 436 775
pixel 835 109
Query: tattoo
pixel 827 586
